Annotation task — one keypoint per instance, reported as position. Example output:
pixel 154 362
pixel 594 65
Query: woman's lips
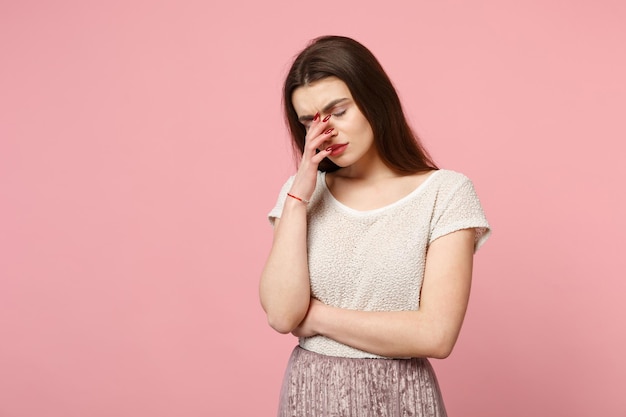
pixel 338 148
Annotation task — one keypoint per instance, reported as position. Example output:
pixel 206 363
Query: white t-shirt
pixel 374 260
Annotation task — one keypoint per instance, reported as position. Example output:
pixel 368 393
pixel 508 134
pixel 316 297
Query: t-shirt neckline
pixel 389 206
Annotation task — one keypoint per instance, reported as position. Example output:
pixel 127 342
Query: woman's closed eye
pixel 339 113
pixel 306 121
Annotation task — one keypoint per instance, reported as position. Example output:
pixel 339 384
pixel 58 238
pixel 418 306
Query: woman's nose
pixel 329 140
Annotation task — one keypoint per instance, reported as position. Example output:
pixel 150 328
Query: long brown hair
pixel 374 94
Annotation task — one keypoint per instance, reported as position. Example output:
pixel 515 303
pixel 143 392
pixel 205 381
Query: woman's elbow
pixel 441 352
pixel 438 343
pixel 443 347
pixel 280 326
pixel 282 323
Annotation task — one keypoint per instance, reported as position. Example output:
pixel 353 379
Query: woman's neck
pixel 372 169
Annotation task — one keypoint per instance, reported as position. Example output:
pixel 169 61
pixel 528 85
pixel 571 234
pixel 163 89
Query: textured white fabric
pixel 374 260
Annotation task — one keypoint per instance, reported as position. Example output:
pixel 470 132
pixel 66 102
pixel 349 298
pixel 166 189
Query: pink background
pixel 142 144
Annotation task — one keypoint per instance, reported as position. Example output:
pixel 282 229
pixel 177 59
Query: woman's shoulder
pixel 446 183
pixel 444 179
pixel 451 176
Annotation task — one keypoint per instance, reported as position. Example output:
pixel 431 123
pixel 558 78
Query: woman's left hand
pixel 308 326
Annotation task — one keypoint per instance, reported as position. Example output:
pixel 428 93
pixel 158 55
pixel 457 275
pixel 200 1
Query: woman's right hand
pixel 318 132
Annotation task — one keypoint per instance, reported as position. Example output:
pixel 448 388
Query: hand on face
pixel 318 133
pixel 351 143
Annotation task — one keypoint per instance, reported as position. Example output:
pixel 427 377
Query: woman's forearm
pixel 284 287
pixel 388 333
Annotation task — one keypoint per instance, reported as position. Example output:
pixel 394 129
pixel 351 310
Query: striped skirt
pixel 325 386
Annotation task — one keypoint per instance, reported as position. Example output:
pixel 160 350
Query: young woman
pixel 371 261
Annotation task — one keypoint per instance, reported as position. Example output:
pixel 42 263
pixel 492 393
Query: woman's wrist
pixel 319 317
pixel 300 199
pixel 293 208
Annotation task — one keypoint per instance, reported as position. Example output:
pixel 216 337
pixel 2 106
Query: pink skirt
pixel 320 385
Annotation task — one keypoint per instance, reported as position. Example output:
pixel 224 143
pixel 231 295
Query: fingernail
pixel 326 118
pixel 316 117
pixel 329 149
pixel 328 131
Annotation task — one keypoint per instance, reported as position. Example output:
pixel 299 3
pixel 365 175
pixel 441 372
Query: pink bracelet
pixel 298 198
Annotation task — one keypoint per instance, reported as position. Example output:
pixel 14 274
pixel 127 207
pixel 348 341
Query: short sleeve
pixel 277 211
pixel 460 209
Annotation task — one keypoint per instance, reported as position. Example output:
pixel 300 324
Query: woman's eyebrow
pixel 326 108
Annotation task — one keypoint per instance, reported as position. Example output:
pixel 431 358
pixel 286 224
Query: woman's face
pixel 331 96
